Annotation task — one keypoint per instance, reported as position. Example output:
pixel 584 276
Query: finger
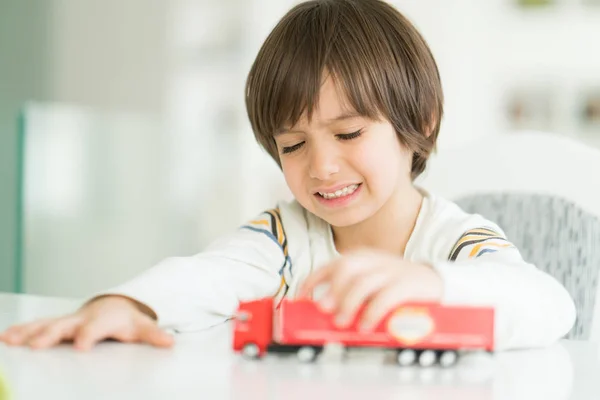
pixel 350 274
pixel 388 299
pixel 317 277
pixel 358 294
pixel 55 333
pixel 19 334
pixel 91 332
pixel 153 335
pixel 338 274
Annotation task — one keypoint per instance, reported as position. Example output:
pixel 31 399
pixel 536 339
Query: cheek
pixel 380 160
pixel 384 166
pixel 293 175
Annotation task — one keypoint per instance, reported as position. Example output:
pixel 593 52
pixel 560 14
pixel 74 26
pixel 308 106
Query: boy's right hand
pixel 110 317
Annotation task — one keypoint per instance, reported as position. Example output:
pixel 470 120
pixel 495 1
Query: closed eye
pixel 349 136
pixel 341 136
pixel 291 149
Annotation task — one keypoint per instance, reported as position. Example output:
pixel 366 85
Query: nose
pixel 324 162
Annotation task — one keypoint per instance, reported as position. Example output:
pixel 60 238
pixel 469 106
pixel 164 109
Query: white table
pixel 202 366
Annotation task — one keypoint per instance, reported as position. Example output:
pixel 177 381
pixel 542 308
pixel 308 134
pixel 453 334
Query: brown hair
pixel 373 53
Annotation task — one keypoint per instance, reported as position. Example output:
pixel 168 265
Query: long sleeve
pixel 532 309
pixel 190 293
pixel 479 266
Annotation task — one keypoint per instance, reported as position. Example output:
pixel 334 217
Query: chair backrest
pixel 554 234
pixel 541 189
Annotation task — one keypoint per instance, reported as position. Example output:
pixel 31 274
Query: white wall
pixel 109 54
pixel 487 48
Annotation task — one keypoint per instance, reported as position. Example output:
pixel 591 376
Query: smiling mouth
pixel 348 190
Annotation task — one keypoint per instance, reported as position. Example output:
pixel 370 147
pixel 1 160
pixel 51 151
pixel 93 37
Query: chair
pixel 542 189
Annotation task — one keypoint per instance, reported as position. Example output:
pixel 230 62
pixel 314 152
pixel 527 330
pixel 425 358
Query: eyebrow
pixel 341 117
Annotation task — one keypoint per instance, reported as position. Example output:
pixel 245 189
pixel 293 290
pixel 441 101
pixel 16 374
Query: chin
pixel 343 219
pixel 340 218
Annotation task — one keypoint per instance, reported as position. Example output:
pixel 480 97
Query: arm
pixel 188 293
pixel 532 308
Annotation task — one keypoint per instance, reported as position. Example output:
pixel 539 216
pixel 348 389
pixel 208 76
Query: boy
pixel 346 97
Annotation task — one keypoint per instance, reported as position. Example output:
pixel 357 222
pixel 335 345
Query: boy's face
pixel 342 167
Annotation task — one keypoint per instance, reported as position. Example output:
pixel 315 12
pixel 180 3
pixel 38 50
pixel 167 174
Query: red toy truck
pixel 420 332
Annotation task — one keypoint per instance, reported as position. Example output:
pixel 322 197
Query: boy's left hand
pixel 380 280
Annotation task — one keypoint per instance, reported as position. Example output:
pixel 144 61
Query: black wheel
pixel 406 357
pixel 427 358
pixel 308 354
pixel 448 358
pixel 251 351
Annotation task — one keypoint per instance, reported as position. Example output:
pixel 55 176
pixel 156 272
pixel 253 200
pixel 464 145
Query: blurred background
pixel 124 137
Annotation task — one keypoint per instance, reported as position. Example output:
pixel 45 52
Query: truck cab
pixel 253 327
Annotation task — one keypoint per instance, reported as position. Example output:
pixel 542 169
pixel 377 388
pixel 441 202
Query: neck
pixel 387 230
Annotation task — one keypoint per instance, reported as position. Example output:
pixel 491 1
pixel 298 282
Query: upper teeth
pixel 339 193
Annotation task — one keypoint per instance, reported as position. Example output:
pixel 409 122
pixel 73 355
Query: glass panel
pixel 106 196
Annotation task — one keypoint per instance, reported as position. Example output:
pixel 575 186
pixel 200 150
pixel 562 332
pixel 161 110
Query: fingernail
pixel 341 320
pixel 365 326
pixel 82 346
pixel 327 303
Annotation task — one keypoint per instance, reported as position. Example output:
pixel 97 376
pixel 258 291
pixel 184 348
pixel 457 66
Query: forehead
pixel 332 106
pixel 332 101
